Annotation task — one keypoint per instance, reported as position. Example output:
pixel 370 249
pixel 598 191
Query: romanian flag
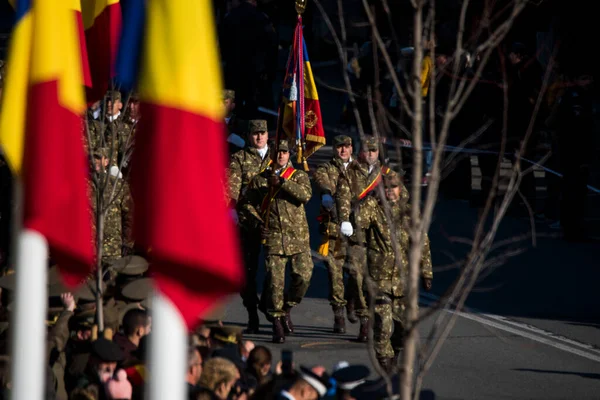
pixel 55 199
pixel 102 24
pixel 302 121
pixel 181 215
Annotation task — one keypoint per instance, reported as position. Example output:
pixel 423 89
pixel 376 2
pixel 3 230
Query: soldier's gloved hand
pixel 427 283
pixel 274 180
pixel 346 228
pixel 264 232
pixel 234 216
pixel 327 201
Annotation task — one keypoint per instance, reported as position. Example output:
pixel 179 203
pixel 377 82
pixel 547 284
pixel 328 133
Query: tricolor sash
pixel 286 174
pixel 371 186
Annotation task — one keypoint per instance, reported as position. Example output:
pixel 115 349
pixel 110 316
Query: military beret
pixel 112 95
pixel 228 94
pixel 370 143
pixel 138 289
pixel 283 145
pixel 351 376
pixel 341 140
pixel 257 125
pixel 107 351
pixel 130 265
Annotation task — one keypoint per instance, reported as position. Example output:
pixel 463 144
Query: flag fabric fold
pixel 300 111
pixel 102 22
pixel 85 64
pixel 180 214
pixel 54 165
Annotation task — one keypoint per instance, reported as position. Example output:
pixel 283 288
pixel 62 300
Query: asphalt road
pixel 531 326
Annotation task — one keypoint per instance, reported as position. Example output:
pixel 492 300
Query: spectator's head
pixel 310 385
pixel 136 325
pixel 104 358
pixel 219 376
pixel 194 370
pixel 259 363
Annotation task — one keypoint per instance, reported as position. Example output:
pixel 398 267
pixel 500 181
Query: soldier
pixel 235 141
pixel 361 181
pixel 286 238
pixel 244 169
pixel 112 193
pixel 389 270
pixel 327 177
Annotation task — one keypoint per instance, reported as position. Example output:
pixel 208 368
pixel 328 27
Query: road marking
pixel 314 344
pixel 524 330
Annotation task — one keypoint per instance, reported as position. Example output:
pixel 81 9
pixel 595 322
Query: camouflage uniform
pixel 389 273
pixel 244 171
pixel 112 135
pixel 118 220
pixel 326 178
pixel 287 239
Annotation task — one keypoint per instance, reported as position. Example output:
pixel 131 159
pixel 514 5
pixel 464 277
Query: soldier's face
pixel 258 139
pixel 344 152
pixel 392 193
pixel 370 156
pixel 114 108
pixel 282 158
pixel 229 106
pixel 134 109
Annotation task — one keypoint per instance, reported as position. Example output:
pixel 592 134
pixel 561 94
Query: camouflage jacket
pixel 246 170
pixel 286 219
pixel 326 177
pixel 114 136
pixel 388 271
pixel 351 204
pixel 118 220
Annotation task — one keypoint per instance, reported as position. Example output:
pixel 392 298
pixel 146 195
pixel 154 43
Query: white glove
pixel 234 216
pixel 114 172
pixel 346 229
pixel 327 201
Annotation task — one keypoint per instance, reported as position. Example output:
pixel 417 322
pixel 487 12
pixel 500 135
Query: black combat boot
pixel 363 334
pixel 288 326
pixel 253 322
pixel 339 322
pixel 278 332
pixel 350 312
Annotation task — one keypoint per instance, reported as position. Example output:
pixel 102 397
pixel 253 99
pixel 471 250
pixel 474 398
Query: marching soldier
pixel 245 168
pixel 389 270
pixel 118 218
pixel 327 177
pixel 286 239
pixel 361 182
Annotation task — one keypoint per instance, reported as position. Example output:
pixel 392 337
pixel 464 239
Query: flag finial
pixel 300 6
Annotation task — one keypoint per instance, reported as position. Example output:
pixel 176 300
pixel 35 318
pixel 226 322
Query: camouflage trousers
pixel 274 287
pixel 335 268
pixel 357 263
pixel 251 250
pixel 388 327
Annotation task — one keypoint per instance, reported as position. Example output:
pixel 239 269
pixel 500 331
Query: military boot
pixel 253 322
pixel 363 334
pixel 339 322
pixel 350 312
pixel 288 326
pixel 278 332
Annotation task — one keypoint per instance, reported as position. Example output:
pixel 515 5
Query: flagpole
pixel 28 358
pixel 168 351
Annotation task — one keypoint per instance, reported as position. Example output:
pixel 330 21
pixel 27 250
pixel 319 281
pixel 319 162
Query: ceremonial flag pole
pixel 45 82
